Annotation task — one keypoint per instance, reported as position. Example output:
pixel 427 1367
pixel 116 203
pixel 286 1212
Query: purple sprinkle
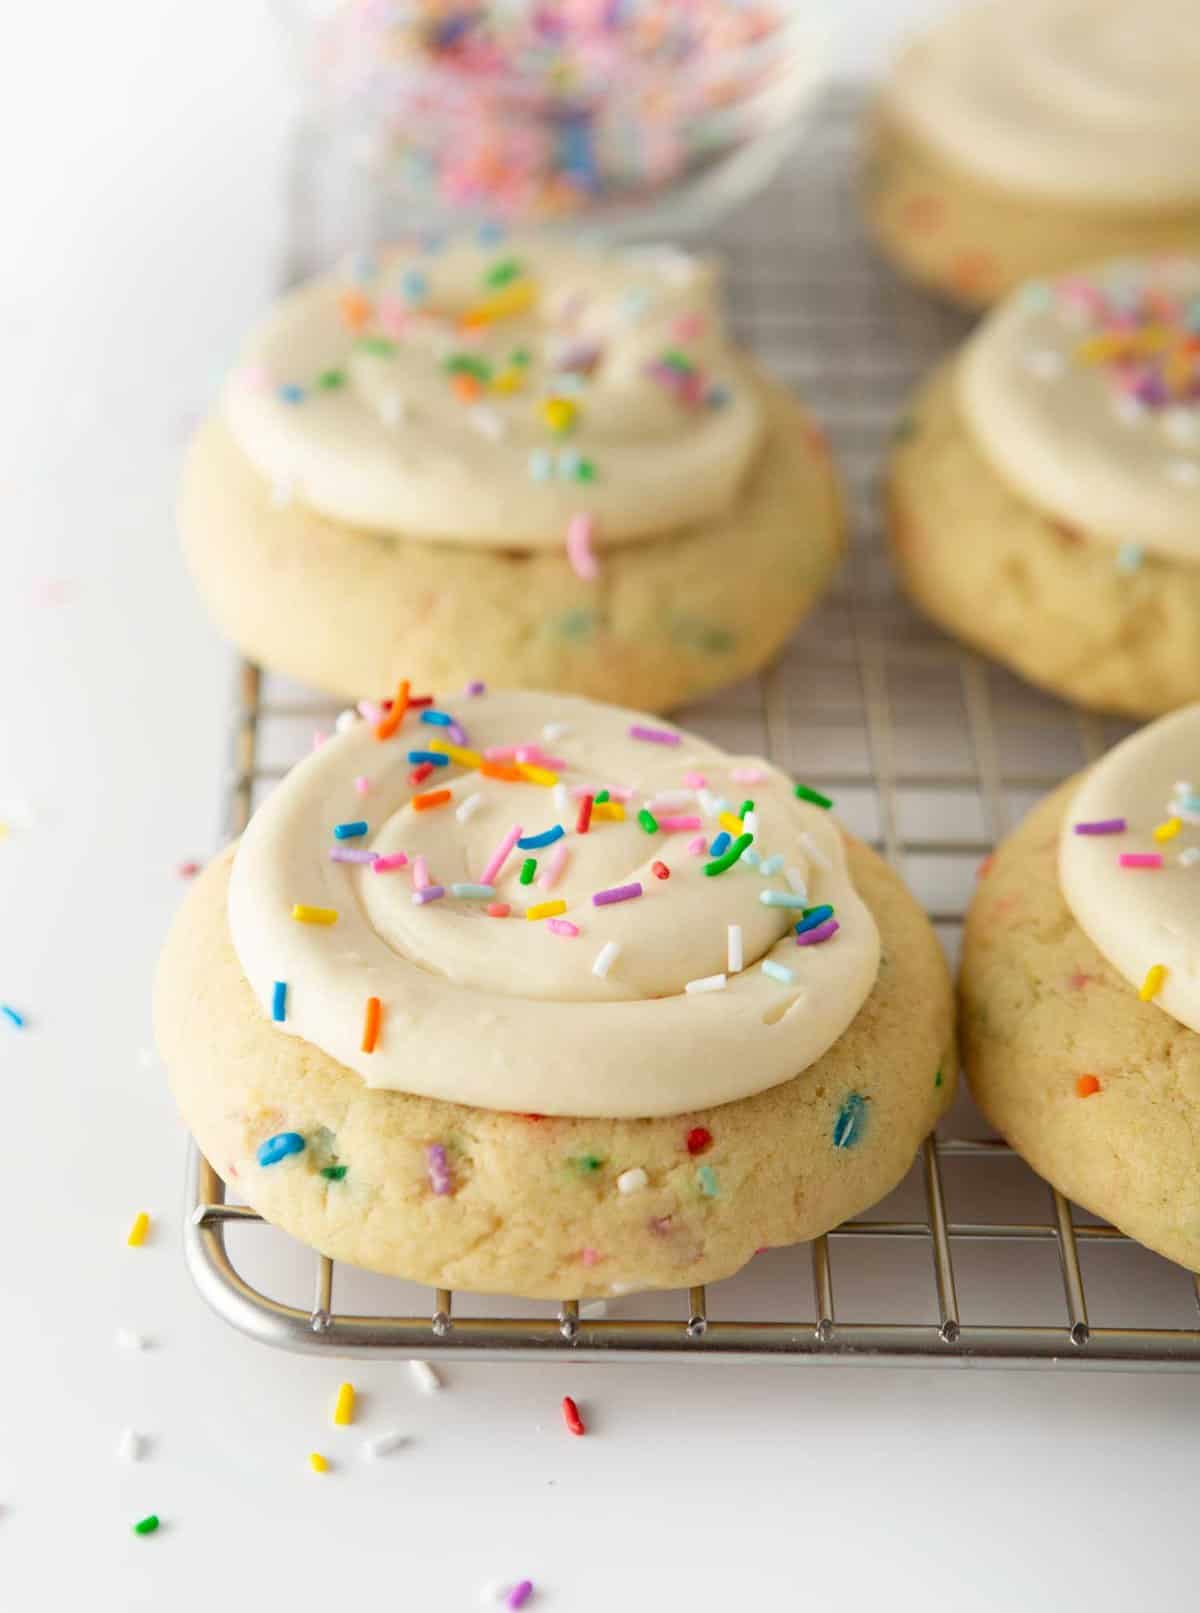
pixel 438 1168
pixel 476 688
pixel 810 938
pixel 656 736
pixel 618 893
pixel 431 893
pixel 1102 826
pixel 520 1593
pixel 349 854
pixel 457 733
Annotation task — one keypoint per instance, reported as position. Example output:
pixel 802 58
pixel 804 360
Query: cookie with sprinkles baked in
pixel 1019 138
pixel 1080 1003
pixel 543 464
pixel 1044 489
pixel 594 1007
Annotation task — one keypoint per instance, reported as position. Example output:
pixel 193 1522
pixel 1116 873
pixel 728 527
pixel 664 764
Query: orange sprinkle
pixel 371 1024
pixel 467 388
pixel 500 770
pixel 433 798
pixel 391 720
pixel 1087 1086
pixel 355 309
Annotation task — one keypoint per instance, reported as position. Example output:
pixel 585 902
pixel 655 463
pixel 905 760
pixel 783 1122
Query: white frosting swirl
pixel 503 1013
pixel 1085 396
pixel 1147 917
pixel 487 395
pixel 1089 101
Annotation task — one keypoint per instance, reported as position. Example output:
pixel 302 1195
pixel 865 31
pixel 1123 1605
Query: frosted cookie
pixel 591 1006
pixel 1044 490
pixel 541 464
pixel 1080 994
pixel 1023 137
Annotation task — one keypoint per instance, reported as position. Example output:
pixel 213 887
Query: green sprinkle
pixel 528 869
pixel 804 793
pixel 676 360
pixel 503 273
pixel 585 1164
pixel 520 356
pixel 147 1525
pixel 937 1080
pixel 729 856
pixel 330 380
pixel 378 345
pixel 584 471
pixel 648 821
pixel 746 806
pixel 601 795
pixel 706 1181
pixel 334 1173
pixel 468 364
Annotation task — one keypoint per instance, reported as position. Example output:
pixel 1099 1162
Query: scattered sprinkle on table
pixel 520 1593
pixel 385 1444
pixel 424 1376
pixel 146 1525
pixel 129 1445
pixel 15 1019
pixel 317 1462
pixel 343 1406
pixel 139 1230
pixel 571 1417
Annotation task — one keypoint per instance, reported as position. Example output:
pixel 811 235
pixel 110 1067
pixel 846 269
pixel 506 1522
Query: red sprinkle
pixel 698 1139
pixel 498 910
pixel 660 870
pixel 571 1416
pixel 189 870
pixel 420 772
pixel 583 821
pixel 1087 1086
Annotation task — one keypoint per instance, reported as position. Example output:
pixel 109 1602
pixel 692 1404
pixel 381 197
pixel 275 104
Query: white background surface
pixel 140 174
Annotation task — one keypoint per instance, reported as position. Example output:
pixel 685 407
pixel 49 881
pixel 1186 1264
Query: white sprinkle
pixel 345 721
pixel 593 1309
pixel 750 823
pixel 487 422
pixel 496 1590
pixel 1129 557
pixel 1181 426
pixel 772 864
pixel 735 948
pixel 709 983
pixel 1184 471
pixel 605 958
pixel 426 1379
pixel 815 852
pixel 1045 363
pixel 1128 410
pixel 1189 857
pixel 466 808
pixel 777 971
pixel 708 803
pixel 632 1181
pixel 553 731
pixel 385 1444
pixel 393 409
pixel 562 799
pixel 670 799
pixel 797 883
pixel 126 1339
pixel 130 1446
pixel 283 490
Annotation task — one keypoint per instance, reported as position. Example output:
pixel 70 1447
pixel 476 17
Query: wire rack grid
pixel 931 754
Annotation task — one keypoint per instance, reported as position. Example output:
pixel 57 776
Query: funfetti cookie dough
pixel 543 464
pixel 1079 988
pixel 1022 137
pixel 524 993
pixel 1044 486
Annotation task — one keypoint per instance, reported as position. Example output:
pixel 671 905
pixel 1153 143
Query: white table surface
pixel 142 153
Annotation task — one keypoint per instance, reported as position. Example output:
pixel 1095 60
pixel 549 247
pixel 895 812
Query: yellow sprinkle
pixel 536 775
pixel 559 413
pixel 317 1462
pixel 3 831
pixel 456 753
pixel 518 298
pixel 1168 830
pixel 609 809
pixel 545 910
pixel 343 1406
pixel 138 1231
pixel 1100 349
pixel 314 915
pixel 731 823
pixel 508 381
pixel 1152 984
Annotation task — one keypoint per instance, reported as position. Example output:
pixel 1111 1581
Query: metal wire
pixel 933 752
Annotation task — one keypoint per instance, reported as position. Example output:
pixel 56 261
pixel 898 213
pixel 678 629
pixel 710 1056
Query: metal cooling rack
pixel 931 754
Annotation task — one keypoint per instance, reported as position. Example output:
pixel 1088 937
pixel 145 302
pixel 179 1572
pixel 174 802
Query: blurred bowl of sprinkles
pixel 626 115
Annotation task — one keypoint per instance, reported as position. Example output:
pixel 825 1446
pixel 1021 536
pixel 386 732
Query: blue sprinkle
pixel 414 285
pixel 433 243
pixel 777 971
pixel 635 303
pixel 433 756
pixel 11 1015
pixel 750 856
pixel 363 268
pixel 350 831
pixel 546 838
pixel 720 844
pixel 706 1181
pixel 279 1002
pixel 851 1122
pixel 814 917
pixel 568 463
pixel 1184 802
pixel 291 393
pixel 1036 296
pixel 773 863
pixel 490 233
pixel 782 899
pixel 279 1147
pixel 481 893
pixel 1130 557
pixel 438 719
pixel 541 465
pixel 717 397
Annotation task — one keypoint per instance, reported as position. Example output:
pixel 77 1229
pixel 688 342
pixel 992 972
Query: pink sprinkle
pixel 498 910
pixel 256 377
pixel 500 856
pixel 549 875
pixel 362 785
pixel 688 327
pixel 189 870
pixel 695 781
pixel 520 1593
pixel 1140 859
pixel 823 932
pixel 319 738
pixel 349 854
pixel 393 315
pixel 589 1257
pixel 654 736
pixel 562 926
pixel 697 846
pixel 748 775
pixel 420 874
pixel 579 547
pixel 384 865
pixel 534 755
pixel 501 753
pixel 371 710
pixel 675 825
pixel 438 1169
